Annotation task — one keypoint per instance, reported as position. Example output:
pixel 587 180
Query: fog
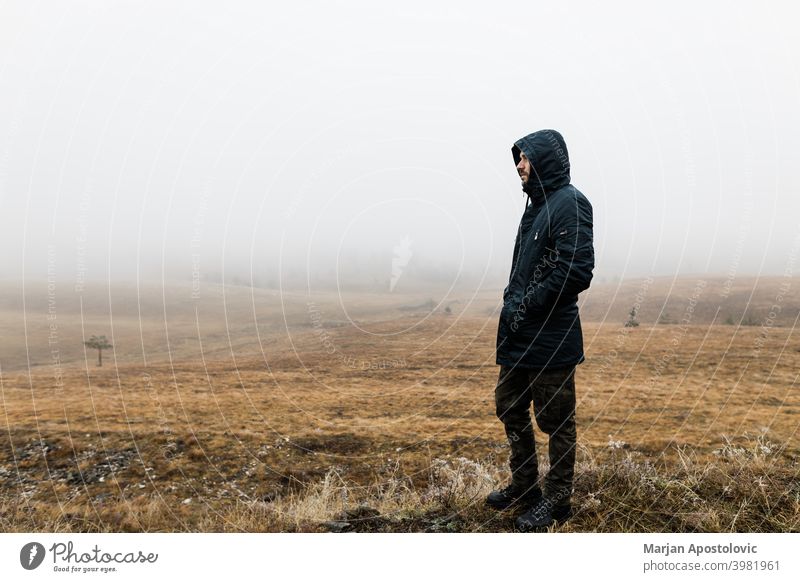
pixel 328 143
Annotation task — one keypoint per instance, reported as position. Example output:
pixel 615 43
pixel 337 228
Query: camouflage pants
pixel 552 392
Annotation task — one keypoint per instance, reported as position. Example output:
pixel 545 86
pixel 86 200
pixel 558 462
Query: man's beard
pixel 532 188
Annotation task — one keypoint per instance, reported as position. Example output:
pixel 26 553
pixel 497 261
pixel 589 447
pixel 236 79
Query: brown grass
pixel 681 428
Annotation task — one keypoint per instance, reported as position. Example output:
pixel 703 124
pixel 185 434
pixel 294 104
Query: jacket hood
pixel 547 153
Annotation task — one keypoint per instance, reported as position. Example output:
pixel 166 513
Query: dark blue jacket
pixel 553 261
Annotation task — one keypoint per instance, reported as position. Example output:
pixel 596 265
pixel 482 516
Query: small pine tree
pixel 632 319
pixel 99 343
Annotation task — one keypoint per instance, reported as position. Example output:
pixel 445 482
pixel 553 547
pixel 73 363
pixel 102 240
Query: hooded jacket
pixel 552 263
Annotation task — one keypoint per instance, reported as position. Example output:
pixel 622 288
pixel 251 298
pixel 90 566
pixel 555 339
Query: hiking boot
pixel 542 515
pixel 513 495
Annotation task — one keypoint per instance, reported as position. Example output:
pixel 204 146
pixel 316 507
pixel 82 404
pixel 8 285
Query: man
pixel 539 338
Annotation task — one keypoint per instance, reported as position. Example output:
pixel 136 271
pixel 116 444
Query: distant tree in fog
pixel 99 343
pixel 632 319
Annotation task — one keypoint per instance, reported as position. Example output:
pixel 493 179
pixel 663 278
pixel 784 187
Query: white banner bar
pixel 372 557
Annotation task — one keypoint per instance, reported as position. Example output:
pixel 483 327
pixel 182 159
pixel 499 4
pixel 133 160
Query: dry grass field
pixel 254 410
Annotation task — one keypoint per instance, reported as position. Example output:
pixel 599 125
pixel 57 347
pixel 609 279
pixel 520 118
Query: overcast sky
pixel 304 138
